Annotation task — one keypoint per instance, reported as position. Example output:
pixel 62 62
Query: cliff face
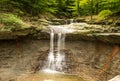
pixel 92 51
pixel 93 61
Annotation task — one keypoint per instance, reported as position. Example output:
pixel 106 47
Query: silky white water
pixel 51 57
pixel 56 56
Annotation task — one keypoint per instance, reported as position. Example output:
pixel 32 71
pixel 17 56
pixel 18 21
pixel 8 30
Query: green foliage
pixel 84 7
pixel 35 7
pixel 96 6
pixel 68 8
pixel 2 1
pixel 10 21
pixel 104 14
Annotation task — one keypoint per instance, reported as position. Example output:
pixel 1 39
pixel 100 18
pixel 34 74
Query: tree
pixel 67 7
pixel 91 9
pixel 78 7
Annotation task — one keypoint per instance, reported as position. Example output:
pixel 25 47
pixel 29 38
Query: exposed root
pixel 108 60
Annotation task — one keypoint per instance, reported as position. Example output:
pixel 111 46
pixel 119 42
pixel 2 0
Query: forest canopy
pixel 67 8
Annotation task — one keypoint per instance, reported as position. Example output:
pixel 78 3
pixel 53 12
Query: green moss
pixel 104 14
pixel 11 22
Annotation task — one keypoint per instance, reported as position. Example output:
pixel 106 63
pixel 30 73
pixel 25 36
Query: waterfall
pixel 51 41
pixel 51 57
pixel 59 42
pixel 55 59
pixel 56 56
pixel 63 41
pixel 59 56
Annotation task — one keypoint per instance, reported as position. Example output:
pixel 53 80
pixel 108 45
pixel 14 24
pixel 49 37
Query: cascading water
pixel 60 57
pixel 51 57
pixel 63 41
pixel 56 56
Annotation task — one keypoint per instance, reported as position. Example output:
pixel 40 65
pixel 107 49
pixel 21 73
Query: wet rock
pixel 88 32
pixel 34 18
pixel 82 31
pixel 44 22
pixel 80 20
pixel 58 21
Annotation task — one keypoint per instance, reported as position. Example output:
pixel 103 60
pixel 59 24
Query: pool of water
pixel 49 77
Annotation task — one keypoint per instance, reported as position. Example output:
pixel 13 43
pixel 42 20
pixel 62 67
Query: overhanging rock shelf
pixel 82 31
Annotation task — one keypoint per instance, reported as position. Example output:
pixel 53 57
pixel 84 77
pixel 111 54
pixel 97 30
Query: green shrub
pixel 104 14
pixel 11 21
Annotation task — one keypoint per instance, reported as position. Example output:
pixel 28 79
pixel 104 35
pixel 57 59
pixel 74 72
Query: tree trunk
pixel 91 9
pixel 78 7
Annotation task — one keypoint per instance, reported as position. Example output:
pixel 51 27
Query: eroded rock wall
pixel 94 61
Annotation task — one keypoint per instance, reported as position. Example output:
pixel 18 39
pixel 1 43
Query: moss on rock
pixel 11 22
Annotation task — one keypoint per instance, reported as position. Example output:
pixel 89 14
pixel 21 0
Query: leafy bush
pixel 104 14
pixel 11 21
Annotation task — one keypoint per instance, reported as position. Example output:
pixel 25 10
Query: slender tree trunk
pixel 97 6
pixel 91 9
pixel 78 7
